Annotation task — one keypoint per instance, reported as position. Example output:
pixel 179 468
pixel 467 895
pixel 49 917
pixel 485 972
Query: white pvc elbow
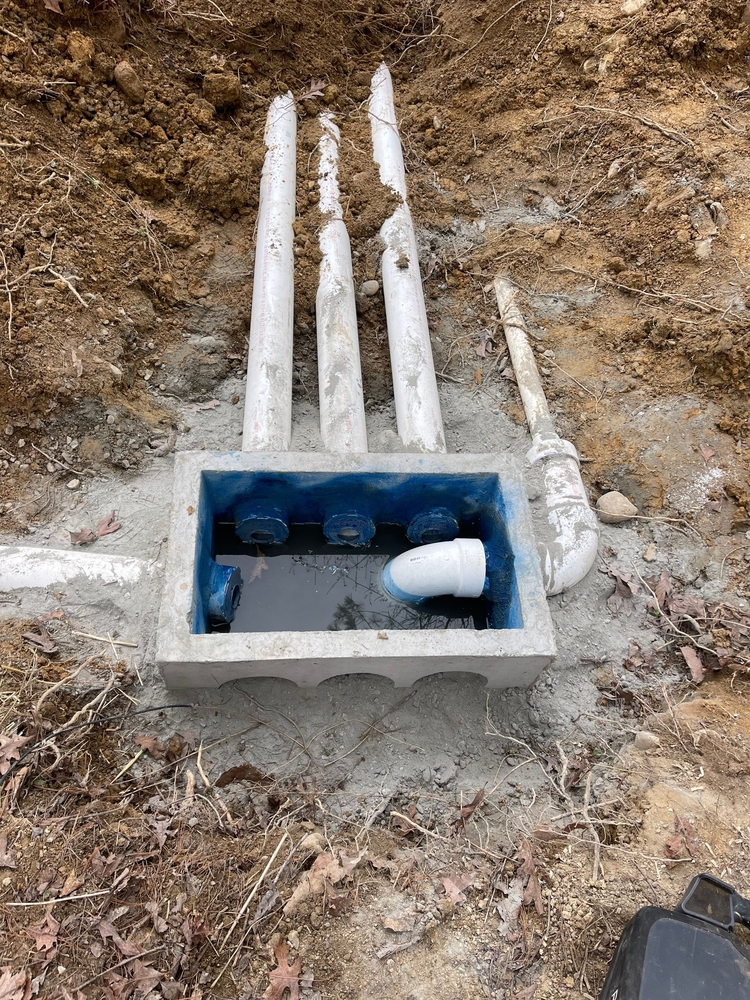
pixel 573 542
pixel 458 568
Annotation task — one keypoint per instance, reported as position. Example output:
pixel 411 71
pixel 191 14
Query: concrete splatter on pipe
pixel 342 408
pixel 268 392
pixel 571 550
pixel 23 567
pixel 420 424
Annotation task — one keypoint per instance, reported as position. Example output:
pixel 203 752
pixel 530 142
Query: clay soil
pixel 597 154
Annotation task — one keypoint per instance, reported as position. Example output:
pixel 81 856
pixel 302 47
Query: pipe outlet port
pixel 437 525
pixel 223 590
pixel 260 525
pixel 349 529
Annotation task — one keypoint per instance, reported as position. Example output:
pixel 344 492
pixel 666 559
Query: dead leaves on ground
pixel 327 870
pixel 42 640
pixel 14 986
pixel 10 750
pixel 106 526
pixel 285 976
pixel 45 935
pixel 683 842
pixel 454 886
pixel 243 772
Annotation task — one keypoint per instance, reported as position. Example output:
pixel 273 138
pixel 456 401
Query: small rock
pixel 129 82
pixel 650 554
pixel 370 287
pixel 80 47
pixel 314 843
pixel 613 508
pixel 552 236
pixel 702 248
pixel 73 484
pixel 646 741
pixel 631 7
pixel 223 90
pixel 51 467
pixel 550 207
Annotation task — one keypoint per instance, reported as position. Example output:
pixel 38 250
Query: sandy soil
pixel 596 153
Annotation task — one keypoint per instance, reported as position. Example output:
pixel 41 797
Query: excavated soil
pixel 597 155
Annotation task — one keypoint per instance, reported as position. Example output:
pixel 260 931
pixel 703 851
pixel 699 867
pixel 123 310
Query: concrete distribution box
pixel 258 490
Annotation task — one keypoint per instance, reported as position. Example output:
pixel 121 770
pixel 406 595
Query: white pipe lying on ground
pixel 342 408
pixel 420 424
pixel 24 567
pixel 458 568
pixel 268 392
pixel 570 553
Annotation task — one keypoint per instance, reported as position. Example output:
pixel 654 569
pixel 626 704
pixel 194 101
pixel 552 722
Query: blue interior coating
pixel 474 500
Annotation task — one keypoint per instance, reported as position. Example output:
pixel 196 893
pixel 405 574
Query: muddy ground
pixel 596 153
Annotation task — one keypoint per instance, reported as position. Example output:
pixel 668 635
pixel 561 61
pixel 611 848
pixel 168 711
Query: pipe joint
pixel 458 568
pixel 221 593
pixel 549 444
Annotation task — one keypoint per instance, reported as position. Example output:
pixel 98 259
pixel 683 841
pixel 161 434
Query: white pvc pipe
pixel 342 407
pixel 420 424
pixel 458 568
pixel 268 392
pixel 23 567
pixel 571 550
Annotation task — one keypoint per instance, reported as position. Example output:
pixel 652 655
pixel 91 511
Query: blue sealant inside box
pixel 475 501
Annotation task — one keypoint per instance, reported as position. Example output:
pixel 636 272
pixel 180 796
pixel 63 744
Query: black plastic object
pixel 689 953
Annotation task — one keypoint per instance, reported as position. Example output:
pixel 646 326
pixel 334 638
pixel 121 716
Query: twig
pixel 488 29
pixel 670 133
pixel 251 896
pixel 102 638
pixel 595 835
pixel 112 968
pixel 64 465
pixel 67 282
pixel 63 899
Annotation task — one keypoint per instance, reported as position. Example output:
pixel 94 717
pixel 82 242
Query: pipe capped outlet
pixel 222 592
pixel 260 525
pixel 458 568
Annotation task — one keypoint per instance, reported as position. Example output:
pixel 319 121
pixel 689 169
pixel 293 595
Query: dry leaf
pixel 14 986
pixel 6 858
pixel 259 565
pixel 53 5
pixel 454 884
pixel 470 809
pixel 685 604
pixel 45 934
pixel 693 660
pixel 683 841
pixel 400 925
pixel 162 831
pixel 314 90
pixel 707 453
pixel 160 924
pixel 59 614
pixel 662 588
pixel 478 378
pixel 325 870
pixel 401 826
pixel 10 750
pixel 193 929
pixel 485 345
pixel 623 593
pixel 107 526
pixel 128 949
pixel 42 639
pixel 152 745
pixel 285 976
pixel 243 772
pixel 510 905
pixel 83 537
